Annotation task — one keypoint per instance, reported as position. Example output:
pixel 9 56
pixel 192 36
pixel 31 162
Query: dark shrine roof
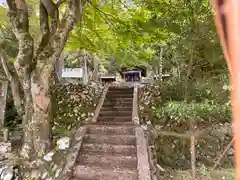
pixel 124 70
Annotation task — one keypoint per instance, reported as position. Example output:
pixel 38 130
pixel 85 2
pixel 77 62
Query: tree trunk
pixel 41 111
pixel 27 151
pixel 3 98
pixel 34 69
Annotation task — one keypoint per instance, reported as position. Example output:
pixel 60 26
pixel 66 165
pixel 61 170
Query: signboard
pixel 72 72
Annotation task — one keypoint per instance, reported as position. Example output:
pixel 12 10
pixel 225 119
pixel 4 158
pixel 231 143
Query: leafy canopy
pixel 112 29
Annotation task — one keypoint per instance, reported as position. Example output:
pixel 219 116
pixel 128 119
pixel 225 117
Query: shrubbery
pixel 171 105
pixel 197 111
pixel 186 101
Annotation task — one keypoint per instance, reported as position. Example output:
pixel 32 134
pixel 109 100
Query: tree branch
pixel 55 21
pixel 60 37
pixel 15 85
pixel 53 12
pixel 60 2
pixel 18 14
pixel 50 7
pixel 47 8
pixel 5 65
pixel 44 26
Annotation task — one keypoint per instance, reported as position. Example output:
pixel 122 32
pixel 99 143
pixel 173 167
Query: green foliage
pixel 215 89
pixel 183 111
pixel 194 47
pixel 3 15
pixel 181 101
pixel 113 30
pixel 8 42
pixel 169 110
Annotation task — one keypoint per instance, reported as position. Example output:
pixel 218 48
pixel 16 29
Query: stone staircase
pixel 109 147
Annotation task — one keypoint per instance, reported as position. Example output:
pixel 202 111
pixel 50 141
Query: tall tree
pixel 34 66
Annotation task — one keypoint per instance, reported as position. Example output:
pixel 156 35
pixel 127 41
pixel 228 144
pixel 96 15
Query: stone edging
pixel 100 103
pixel 143 166
pixel 73 154
pixel 135 117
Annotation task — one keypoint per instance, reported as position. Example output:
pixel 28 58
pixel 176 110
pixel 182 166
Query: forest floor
pixel 202 174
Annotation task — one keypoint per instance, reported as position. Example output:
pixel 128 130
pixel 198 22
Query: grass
pixel 202 174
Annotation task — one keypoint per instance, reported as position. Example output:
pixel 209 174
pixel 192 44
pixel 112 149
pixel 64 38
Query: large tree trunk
pixel 34 69
pixel 41 113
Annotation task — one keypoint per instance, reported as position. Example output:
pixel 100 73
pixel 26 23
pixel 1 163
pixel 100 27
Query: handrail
pixel 135 117
pixel 100 103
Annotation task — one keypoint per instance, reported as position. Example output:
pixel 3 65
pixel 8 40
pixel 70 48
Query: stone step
pixel 109 112
pixel 110 139
pixel 114 95
pixel 120 103
pixel 117 99
pixel 120 94
pixel 113 118
pixel 121 91
pixel 82 172
pixel 114 123
pixel 116 89
pixel 108 160
pixel 117 105
pixel 116 116
pixel 111 129
pixel 110 108
pixel 126 150
pixel 120 88
pixel 117 112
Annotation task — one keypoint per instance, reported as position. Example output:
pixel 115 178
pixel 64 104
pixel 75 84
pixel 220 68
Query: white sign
pixel 72 72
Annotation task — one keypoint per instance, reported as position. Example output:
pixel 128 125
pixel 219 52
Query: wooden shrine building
pixel 133 74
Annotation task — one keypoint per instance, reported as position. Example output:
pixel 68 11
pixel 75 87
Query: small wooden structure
pixel 133 74
pixel 108 79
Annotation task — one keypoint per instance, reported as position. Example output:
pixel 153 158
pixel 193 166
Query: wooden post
pixel 85 75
